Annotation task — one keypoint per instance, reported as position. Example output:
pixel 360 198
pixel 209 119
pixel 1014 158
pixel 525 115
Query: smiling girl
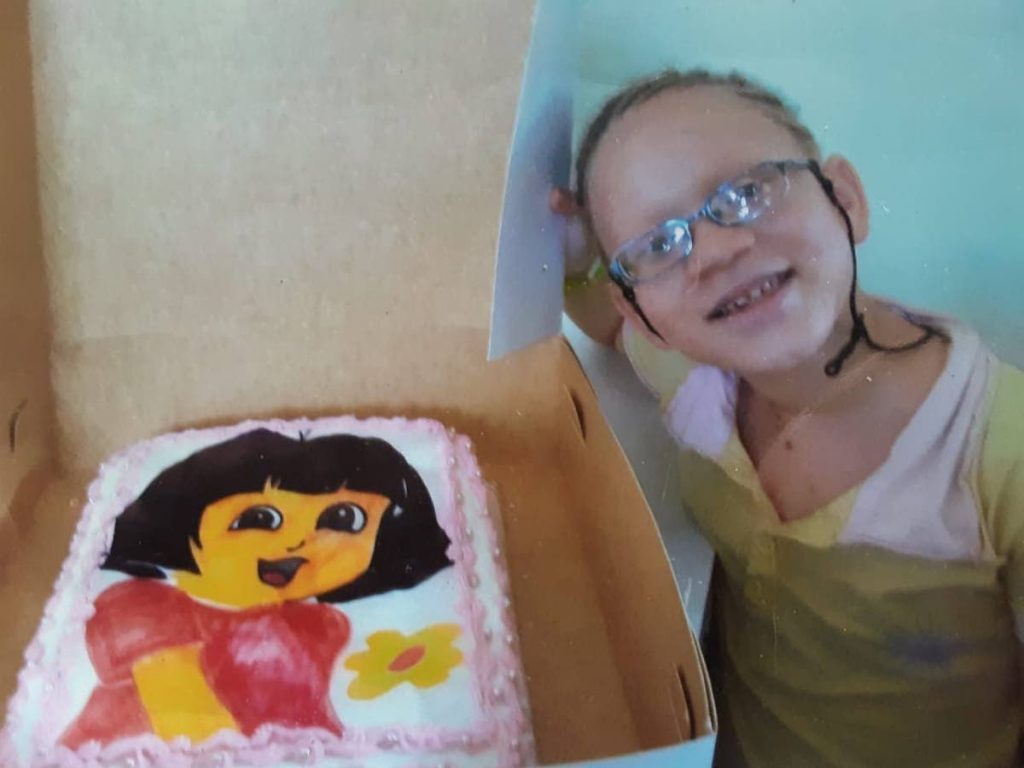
pixel 857 466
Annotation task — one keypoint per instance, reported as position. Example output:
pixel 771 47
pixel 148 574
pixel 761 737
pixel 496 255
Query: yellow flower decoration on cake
pixel 424 659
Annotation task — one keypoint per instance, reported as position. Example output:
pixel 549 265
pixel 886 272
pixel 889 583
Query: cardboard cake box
pixel 213 212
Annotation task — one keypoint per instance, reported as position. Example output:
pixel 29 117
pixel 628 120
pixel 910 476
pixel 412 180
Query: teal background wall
pixel 925 97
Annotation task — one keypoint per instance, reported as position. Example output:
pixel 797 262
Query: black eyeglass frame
pixel 716 208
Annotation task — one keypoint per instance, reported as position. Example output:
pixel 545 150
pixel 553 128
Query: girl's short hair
pixel 646 89
pixel 154 532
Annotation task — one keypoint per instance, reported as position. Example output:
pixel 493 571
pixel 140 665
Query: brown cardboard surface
pixel 29 568
pixel 24 379
pixel 627 560
pixel 114 389
pixel 273 213
pixel 221 175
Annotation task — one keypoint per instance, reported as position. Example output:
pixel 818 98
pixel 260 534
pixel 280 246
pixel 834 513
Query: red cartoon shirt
pixel 265 665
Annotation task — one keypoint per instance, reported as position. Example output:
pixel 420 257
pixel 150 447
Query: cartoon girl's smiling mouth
pixel 279 573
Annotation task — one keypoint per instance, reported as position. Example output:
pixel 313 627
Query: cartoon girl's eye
pixel 260 517
pixel 346 517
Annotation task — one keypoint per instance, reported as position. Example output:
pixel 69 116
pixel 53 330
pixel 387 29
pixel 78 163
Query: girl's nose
pixel 715 248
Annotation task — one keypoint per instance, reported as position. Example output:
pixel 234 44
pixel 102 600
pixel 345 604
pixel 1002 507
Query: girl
pixel 857 467
pixel 246 531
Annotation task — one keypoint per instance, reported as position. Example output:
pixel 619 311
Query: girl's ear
pixel 850 193
pixel 563 202
pixel 629 315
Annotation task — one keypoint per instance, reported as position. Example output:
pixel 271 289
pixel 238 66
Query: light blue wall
pixel 926 97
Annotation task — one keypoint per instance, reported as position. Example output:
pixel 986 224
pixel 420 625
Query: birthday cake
pixel 275 594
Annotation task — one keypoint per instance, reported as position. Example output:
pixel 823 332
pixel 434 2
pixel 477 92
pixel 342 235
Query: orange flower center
pixel 407 659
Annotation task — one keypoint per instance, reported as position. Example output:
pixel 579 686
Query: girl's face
pixel 275 545
pixel 661 160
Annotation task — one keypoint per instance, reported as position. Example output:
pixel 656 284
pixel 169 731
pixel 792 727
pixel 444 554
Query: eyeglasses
pixel 737 202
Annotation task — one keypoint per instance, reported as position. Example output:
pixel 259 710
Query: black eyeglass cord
pixel 859 331
pixel 630 295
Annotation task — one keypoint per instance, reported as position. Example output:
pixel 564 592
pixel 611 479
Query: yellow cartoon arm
pixel 176 696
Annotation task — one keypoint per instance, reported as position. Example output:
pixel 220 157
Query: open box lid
pixel 239 166
pixel 253 105
pixel 211 100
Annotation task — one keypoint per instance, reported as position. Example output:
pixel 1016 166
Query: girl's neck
pixel 806 387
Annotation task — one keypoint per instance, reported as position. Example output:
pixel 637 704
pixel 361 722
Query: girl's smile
pixel 752 296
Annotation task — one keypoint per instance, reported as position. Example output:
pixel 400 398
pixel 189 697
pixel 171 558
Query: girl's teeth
pixel 736 304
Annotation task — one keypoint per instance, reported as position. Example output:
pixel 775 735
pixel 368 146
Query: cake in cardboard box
pixel 275 594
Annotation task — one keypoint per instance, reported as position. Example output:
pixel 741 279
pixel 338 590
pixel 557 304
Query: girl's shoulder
pixel 1000 468
pixel 1000 412
pixel 1004 422
pixel 661 371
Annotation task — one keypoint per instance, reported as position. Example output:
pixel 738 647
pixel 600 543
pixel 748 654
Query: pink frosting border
pixel 500 687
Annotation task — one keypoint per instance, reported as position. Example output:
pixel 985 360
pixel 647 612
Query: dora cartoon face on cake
pixel 276 545
pixel 264 518
pixel 235 550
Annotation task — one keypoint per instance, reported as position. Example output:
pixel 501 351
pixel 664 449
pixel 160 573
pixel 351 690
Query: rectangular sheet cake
pixel 275 594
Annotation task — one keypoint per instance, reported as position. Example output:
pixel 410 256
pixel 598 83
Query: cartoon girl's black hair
pixel 154 532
